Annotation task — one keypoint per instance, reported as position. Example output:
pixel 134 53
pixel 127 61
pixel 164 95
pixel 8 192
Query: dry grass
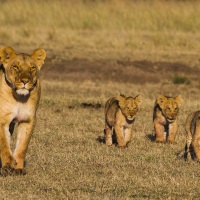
pixel 115 28
pixel 66 159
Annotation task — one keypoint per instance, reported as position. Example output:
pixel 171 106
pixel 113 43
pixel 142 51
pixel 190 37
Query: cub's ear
pixel 179 99
pixel 138 100
pixel 39 56
pixel 121 100
pixel 6 54
pixel 160 100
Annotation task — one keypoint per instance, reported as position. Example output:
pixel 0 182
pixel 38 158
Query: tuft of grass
pixel 181 80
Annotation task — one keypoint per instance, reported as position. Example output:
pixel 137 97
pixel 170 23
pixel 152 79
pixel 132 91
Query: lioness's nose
pixel 24 80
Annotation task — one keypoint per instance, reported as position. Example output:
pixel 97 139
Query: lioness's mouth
pixel 22 91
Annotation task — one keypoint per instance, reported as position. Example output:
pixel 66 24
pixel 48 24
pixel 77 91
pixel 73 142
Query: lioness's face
pixel 21 70
pixel 22 74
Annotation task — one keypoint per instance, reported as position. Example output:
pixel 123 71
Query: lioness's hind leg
pixel 188 150
pixel 108 135
pixel 196 146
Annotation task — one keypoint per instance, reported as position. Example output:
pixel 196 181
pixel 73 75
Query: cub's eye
pixel 168 109
pixel 127 108
pixel 33 68
pixel 15 68
pixel 175 109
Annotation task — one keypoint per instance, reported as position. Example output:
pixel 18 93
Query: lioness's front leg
pixel 7 160
pixel 25 130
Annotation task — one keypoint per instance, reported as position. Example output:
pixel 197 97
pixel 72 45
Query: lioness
pixel 19 99
pixel 120 115
pixel 192 147
pixel 165 118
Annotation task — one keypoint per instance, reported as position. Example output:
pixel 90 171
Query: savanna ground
pixel 97 50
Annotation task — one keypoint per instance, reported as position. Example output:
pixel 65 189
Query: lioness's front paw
pixel 19 172
pixel 6 170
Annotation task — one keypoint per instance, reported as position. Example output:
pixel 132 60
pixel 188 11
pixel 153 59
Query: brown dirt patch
pixel 116 70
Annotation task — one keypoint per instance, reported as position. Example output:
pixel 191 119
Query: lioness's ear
pixel 6 53
pixel 138 100
pixel 160 100
pixel 179 100
pixel 121 99
pixel 39 56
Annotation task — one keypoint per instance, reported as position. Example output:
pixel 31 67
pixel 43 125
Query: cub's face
pixel 21 70
pixel 169 106
pixel 129 106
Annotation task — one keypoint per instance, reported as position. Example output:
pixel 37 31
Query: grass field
pixel 97 50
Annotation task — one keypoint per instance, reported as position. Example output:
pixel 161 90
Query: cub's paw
pixel 17 172
pixel 160 141
pixel 171 142
pixel 122 145
pixel 6 170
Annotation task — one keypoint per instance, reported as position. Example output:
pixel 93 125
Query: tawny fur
pixel 165 118
pixel 19 97
pixel 120 115
pixel 193 136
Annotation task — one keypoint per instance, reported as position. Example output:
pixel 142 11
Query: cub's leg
pixel 173 127
pixel 120 136
pixel 159 129
pixel 108 134
pixel 128 135
pixel 7 160
pixel 24 133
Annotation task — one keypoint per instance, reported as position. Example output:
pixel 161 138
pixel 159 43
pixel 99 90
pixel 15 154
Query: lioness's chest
pixel 22 113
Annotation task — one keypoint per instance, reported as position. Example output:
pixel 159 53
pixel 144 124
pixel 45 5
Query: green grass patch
pixel 177 79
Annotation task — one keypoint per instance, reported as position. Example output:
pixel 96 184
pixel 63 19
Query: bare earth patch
pixel 139 72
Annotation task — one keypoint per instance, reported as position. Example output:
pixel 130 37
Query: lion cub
pixel 119 118
pixel 165 118
pixel 193 136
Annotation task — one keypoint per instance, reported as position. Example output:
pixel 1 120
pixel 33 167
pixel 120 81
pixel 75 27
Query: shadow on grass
pixel 151 137
pixel 86 106
pixel 101 139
